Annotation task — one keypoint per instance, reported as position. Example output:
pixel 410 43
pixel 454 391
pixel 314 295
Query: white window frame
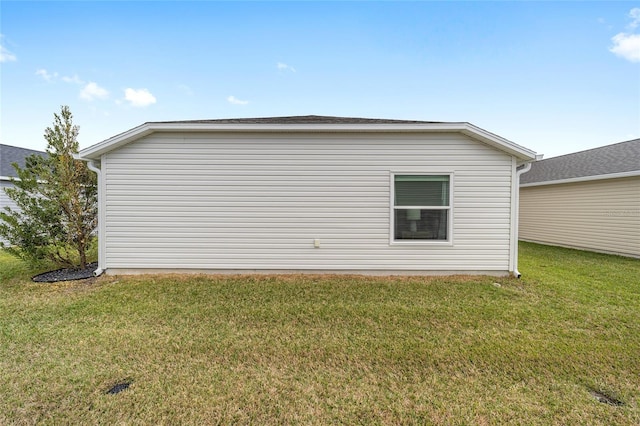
pixel 392 208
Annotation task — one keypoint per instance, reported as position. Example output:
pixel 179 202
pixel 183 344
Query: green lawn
pixel 327 349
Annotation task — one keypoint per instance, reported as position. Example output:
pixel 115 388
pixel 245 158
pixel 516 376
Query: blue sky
pixel 556 77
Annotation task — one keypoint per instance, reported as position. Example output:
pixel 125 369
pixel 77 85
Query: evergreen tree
pixel 57 200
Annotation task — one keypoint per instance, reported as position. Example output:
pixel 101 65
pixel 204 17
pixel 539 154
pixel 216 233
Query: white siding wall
pixel 4 199
pixel 599 215
pixel 211 201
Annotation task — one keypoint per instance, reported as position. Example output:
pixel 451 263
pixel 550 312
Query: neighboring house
pixel 9 155
pixel 588 200
pixel 308 194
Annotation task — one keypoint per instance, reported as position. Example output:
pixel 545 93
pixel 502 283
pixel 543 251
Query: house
pixel 588 200
pixel 9 155
pixel 308 194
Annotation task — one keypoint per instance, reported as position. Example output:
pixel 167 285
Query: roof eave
pixel 631 173
pixel 520 152
pixel 95 151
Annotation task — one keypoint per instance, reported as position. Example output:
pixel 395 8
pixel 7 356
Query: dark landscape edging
pixel 66 274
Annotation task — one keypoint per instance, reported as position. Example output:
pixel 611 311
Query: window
pixel 421 207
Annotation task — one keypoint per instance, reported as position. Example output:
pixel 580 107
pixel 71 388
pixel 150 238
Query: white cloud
pixel 75 79
pixel 46 75
pixel 634 14
pixel 626 46
pixel 284 67
pixel 92 91
pixel 139 97
pixel 236 101
pixel 50 76
pixel 5 54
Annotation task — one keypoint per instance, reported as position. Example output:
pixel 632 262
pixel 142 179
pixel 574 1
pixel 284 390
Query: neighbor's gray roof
pixel 617 158
pixel 303 119
pixel 13 154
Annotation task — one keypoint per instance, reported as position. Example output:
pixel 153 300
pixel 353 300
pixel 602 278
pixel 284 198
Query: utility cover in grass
pixel 66 274
pixel 119 387
pixel 606 398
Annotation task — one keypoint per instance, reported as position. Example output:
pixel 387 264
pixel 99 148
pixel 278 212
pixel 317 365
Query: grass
pixel 326 349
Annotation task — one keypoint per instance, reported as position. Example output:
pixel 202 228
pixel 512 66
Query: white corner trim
pixel 584 179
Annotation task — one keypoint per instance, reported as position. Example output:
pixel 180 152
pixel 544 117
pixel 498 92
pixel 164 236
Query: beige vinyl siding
pixel 258 202
pixel 600 215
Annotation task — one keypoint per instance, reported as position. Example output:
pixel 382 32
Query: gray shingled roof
pixel 13 154
pixel 617 158
pixel 303 119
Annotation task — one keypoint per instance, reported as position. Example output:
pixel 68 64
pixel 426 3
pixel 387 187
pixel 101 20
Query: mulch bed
pixel 66 274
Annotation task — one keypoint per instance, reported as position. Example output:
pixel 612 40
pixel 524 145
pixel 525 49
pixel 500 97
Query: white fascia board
pixel 95 151
pixel 583 179
pixel 499 142
pixel 11 178
pixel 16 179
